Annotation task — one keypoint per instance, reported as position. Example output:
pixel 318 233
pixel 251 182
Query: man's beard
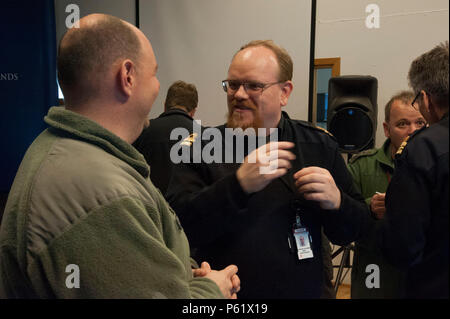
pixel 235 119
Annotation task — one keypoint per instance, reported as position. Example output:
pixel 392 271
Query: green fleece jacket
pixel 83 220
pixel 370 170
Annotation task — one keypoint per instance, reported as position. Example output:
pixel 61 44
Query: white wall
pixel 194 41
pixel 408 28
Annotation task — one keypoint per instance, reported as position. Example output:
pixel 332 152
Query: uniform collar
pixel 78 127
pixel 175 111
pixel 282 123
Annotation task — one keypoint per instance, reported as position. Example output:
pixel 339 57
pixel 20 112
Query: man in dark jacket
pixel 415 232
pixel 155 141
pixel 372 171
pixel 266 213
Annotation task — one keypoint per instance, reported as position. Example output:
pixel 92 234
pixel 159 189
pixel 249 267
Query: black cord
pixel 137 14
pixel 311 59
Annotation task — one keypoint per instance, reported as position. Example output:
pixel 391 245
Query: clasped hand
pixel 227 279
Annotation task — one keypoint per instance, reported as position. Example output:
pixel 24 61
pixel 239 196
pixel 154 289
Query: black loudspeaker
pixel 352 111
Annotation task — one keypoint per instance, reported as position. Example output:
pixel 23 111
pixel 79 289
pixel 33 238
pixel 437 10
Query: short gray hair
pixel 429 72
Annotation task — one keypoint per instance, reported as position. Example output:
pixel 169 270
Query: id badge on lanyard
pixel 302 240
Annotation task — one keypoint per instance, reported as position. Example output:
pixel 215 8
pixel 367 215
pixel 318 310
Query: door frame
pixel 323 63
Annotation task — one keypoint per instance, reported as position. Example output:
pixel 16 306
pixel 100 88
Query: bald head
pixel 282 57
pixel 87 53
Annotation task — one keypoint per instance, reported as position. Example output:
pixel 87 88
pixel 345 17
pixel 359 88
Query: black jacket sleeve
pixel 206 208
pixel 407 220
pixel 352 220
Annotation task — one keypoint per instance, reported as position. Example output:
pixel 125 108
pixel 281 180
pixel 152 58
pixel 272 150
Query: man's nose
pixel 241 93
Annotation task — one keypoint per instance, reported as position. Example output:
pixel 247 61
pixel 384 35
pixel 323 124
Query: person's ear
pixel 192 113
pixel 435 108
pixel 286 90
pixel 426 100
pixel 429 107
pixel 127 77
pixel 386 130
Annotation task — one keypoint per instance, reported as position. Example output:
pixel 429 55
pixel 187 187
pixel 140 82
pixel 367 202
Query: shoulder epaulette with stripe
pixel 316 128
pixel 402 146
pixel 188 141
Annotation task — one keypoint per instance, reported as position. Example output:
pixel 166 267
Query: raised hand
pixel 317 184
pixel 263 165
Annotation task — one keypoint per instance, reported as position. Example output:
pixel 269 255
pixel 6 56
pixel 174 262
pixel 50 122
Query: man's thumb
pixel 231 270
pixel 205 265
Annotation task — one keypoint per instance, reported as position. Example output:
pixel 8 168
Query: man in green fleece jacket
pixel 371 171
pixel 83 219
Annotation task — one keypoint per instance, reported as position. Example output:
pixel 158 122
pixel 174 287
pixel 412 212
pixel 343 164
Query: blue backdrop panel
pixel 27 78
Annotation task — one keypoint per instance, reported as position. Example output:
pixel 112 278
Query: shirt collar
pixel 175 111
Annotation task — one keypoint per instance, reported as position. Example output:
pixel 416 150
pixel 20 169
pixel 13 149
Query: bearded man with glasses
pixel 270 225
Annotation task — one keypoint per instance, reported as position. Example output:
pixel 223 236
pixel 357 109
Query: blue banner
pixel 28 84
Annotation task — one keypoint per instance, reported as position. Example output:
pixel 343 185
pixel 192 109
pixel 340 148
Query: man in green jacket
pixel 372 171
pixel 83 219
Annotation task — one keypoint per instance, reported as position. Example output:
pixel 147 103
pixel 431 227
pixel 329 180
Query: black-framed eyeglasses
pixel 232 86
pixel 415 100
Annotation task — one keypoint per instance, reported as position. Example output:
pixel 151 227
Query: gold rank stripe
pixel 189 140
pixel 402 146
pixel 324 130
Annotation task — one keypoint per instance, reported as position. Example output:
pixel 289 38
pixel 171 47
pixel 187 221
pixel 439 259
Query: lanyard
pixel 300 236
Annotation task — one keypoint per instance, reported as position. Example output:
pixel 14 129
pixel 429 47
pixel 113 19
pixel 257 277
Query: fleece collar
pixel 76 126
